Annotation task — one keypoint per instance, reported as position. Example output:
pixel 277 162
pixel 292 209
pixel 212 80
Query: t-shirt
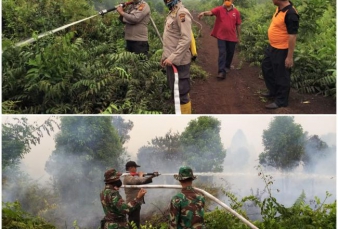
pixel 225 24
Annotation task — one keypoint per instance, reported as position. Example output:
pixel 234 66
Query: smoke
pixel 240 172
pixel 239 176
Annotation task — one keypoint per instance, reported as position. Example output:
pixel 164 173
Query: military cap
pixel 184 173
pixel 111 175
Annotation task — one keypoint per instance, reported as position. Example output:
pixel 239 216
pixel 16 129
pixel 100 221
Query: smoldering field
pixel 240 176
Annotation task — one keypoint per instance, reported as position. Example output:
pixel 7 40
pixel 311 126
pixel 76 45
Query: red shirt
pixel 225 24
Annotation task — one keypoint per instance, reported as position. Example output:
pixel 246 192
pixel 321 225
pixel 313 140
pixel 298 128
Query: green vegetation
pixel 84 69
pixel 315 53
pixel 86 146
pixel 175 148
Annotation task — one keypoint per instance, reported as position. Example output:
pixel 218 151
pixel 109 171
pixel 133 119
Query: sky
pixel 147 127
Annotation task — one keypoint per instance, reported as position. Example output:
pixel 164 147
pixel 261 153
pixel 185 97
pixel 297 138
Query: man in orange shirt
pixel 278 60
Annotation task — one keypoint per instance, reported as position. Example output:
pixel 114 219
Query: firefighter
pixel 114 207
pixel 187 207
pixel 132 179
pixel 177 38
pixel 136 18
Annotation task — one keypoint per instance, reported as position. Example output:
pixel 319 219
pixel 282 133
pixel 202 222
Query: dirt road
pixel 239 93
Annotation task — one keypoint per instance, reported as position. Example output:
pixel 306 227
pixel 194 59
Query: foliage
pixel 85 81
pixel 85 148
pixel 200 140
pixel 122 128
pixel 314 70
pixel 33 197
pixel 84 69
pixel 161 152
pixel 14 217
pixel 315 150
pixel 23 18
pixel 18 135
pixel 300 215
pixel 283 143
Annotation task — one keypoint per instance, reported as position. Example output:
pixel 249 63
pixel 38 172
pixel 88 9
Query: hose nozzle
pixel 156 174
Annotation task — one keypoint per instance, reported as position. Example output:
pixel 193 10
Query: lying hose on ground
pixel 240 217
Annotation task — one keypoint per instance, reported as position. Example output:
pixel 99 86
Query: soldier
pixel 132 179
pixel 113 205
pixel 187 207
pixel 176 44
pixel 136 18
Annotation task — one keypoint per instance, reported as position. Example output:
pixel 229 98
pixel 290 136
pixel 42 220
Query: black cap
pixel 131 164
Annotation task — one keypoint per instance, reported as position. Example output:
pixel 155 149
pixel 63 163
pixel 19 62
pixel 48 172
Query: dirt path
pixel 239 92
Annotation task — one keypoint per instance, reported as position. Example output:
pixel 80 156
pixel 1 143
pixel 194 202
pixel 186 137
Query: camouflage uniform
pixel 187 207
pixel 114 207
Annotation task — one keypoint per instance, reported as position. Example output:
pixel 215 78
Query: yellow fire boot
pixel 186 108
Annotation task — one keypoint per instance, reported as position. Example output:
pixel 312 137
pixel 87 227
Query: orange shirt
pixel 278 32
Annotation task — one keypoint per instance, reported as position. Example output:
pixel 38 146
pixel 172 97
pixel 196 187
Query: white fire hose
pixel 247 222
pixel 176 92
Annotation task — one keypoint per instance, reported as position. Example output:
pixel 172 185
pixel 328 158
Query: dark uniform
pixel 277 77
pixel 114 207
pixel 187 207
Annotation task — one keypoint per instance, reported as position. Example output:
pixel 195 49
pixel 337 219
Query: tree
pixel 18 136
pixel 283 144
pixel 122 128
pixel 201 145
pixel 85 148
pixel 315 150
pixel 161 152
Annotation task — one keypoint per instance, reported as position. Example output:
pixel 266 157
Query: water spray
pixel 156 174
pixel 240 217
pixel 102 12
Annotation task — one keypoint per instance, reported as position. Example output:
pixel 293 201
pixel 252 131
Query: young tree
pixel 283 144
pixel 201 145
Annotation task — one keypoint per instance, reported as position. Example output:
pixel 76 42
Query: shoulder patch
pixel 140 8
pixel 182 17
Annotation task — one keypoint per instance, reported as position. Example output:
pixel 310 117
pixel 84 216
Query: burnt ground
pixel 239 93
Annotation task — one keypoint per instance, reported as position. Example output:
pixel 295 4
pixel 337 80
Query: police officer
pixel 187 207
pixel 135 178
pixel 176 44
pixel 136 18
pixel 114 207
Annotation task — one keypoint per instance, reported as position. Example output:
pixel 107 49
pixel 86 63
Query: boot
pixel 186 108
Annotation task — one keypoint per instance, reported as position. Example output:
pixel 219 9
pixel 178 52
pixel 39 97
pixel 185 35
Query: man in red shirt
pixel 226 29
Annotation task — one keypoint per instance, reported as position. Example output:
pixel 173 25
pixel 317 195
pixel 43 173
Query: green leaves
pixel 18 135
pixel 283 144
pixel 200 140
pixel 14 217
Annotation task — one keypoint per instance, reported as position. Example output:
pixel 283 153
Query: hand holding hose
pixel 141 193
pixel 167 62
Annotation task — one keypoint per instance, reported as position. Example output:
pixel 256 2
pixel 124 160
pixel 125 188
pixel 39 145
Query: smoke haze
pixel 241 137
